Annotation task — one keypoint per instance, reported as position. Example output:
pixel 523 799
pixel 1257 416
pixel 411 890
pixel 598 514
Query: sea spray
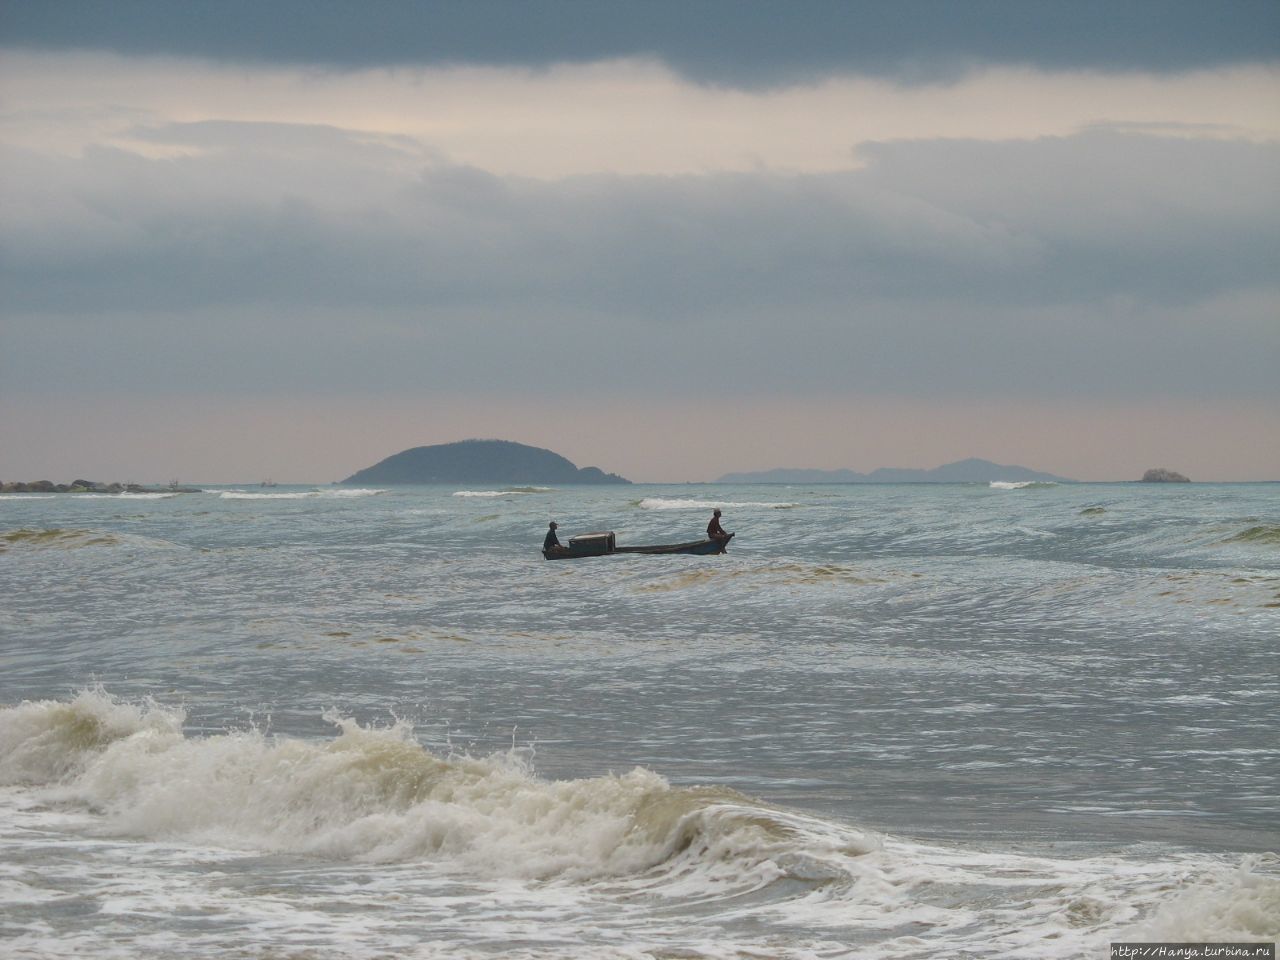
pixel 49 741
pixel 374 794
pixel 1224 906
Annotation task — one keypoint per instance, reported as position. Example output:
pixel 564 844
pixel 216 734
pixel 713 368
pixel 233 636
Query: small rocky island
pixel 90 486
pixel 479 461
pixel 1161 475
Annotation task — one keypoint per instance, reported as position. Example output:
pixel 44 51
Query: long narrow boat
pixel 603 544
pixel 700 547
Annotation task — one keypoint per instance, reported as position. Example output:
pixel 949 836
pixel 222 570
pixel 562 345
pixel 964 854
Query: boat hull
pixel 595 548
pixel 699 547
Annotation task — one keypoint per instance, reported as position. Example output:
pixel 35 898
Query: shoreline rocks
pixel 89 486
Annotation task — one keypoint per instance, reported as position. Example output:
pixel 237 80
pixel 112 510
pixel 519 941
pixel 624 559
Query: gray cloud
pixel 736 42
pixel 297 259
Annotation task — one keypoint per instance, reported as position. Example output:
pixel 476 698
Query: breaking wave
pixel 507 492
pixel 1020 484
pixel 375 794
pixel 335 494
pixel 618 845
pixel 126 495
pixel 1265 534
pixel 663 503
pixel 56 538
pixel 1233 906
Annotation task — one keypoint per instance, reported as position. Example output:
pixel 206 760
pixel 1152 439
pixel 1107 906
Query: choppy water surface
pixel 894 721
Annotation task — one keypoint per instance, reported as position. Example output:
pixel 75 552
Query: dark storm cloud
pixel 747 42
pixel 309 257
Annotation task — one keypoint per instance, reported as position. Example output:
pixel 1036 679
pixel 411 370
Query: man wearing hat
pixel 552 543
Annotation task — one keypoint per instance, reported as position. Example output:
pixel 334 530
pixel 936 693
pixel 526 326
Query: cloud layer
pixel 174 228
pixel 737 42
pixel 1108 261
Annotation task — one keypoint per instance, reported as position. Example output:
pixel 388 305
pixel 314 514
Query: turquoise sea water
pixel 893 721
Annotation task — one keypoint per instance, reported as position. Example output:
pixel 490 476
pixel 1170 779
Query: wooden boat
pixel 603 544
pixel 700 547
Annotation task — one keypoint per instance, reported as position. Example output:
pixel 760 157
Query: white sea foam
pixel 335 493
pixel 664 503
pixel 26 496
pixel 1229 905
pixel 125 495
pixel 470 841
pixel 508 492
pixel 1020 484
pixel 374 794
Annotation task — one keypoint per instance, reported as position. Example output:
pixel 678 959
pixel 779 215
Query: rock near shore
pixel 88 486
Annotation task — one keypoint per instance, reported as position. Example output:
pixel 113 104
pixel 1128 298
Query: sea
pixel 1013 720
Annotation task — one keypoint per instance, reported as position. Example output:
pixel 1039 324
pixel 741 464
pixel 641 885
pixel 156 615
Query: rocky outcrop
pixel 1161 475
pixel 89 486
pixel 479 461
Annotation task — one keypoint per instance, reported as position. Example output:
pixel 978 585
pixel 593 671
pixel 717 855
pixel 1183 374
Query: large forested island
pixel 479 461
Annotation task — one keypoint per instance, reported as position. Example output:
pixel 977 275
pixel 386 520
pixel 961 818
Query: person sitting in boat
pixel 551 544
pixel 714 530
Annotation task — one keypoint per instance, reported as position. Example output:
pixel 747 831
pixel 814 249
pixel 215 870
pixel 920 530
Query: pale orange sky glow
pixel 244 440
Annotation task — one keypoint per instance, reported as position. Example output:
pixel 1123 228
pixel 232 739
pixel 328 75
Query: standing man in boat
pixel 551 544
pixel 714 530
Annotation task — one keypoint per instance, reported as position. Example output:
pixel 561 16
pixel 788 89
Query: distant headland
pixel 479 461
pixel 972 470
pixel 1161 475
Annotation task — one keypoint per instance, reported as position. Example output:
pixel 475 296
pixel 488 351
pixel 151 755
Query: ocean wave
pixel 1020 484
pixel 505 492
pixel 126 495
pixel 782 574
pixel 338 493
pixel 56 538
pixel 664 503
pixel 630 847
pixel 1266 534
pixel 27 496
pixel 1232 906
pixel 374 794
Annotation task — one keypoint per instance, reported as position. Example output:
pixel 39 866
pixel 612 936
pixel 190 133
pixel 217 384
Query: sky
pixel 672 240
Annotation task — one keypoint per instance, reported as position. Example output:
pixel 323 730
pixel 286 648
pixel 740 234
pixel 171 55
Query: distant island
pixel 479 461
pixel 1161 475
pixel 962 471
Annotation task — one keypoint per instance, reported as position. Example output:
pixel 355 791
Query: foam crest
pixel 125 495
pixel 665 503
pixel 337 493
pixel 507 492
pixel 47 741
pixel 1021 484
pixel 1233 906
pixel 374 794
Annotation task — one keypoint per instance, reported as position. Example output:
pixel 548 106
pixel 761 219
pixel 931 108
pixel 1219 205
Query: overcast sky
pixel 671 240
